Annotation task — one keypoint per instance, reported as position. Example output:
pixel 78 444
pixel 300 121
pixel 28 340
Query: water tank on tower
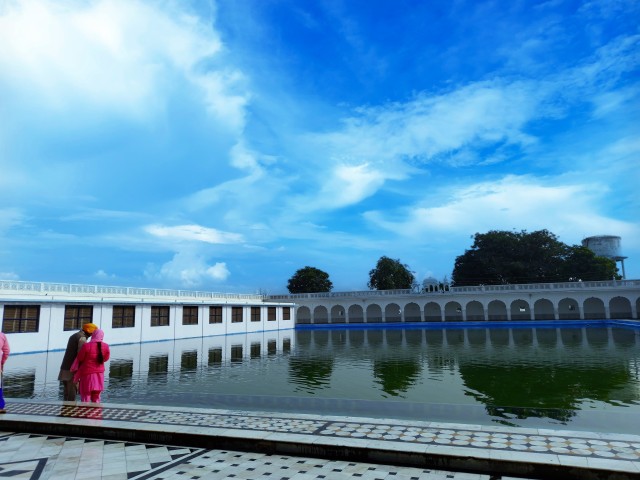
pixel 606 246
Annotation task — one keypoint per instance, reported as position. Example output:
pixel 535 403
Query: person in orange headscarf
pixel 90 373
pixel 73 347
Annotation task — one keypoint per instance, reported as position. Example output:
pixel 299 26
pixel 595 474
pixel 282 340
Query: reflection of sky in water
pixel 548 374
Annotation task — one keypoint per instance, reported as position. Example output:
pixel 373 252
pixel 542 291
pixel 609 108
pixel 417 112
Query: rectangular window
pixel 271 314
pixel 286 345
pixel 255 314
pixel 158 369
pixel 215 314
pixel 255 350
pixel 120 374
pixel 159 316
pixel 272 348
pixel 124 316
pixel 77 315
pixel 189 361
pixel 215 357
pixel 189 315
pixel 236 314
pixel 236 353
pixel 21 318
pixel 286 313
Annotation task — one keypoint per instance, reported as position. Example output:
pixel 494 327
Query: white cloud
pixel 348 184
pixel 9 276
pixel 570 211
pixel 102 275
pixel 188 270
pixel 218 272
pixel 112 55
pixel 195 233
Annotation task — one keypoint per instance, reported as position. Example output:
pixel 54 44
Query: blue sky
pixel 222 145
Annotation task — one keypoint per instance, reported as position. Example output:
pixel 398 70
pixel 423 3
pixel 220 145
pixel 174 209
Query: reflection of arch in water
pixel 320 315
pixel 619 307
pixel 520 310
pixel 337 314
pixel 303 315
pixel 568 309
pixel 412 313
pixel 392 313
pixel 543 310
pixel 453 312
pixel 497 310
pixel 432 312
pixel 475 311
pixel 374 313
pixel 594 309
pixel 355 314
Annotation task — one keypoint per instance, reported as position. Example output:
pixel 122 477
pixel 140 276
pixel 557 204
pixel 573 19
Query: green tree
pixel 390 274
pixel 504 257
pixel 582 264
pixel 309 280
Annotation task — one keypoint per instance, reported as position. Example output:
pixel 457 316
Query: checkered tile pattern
pixel 41 457
pixel 506 440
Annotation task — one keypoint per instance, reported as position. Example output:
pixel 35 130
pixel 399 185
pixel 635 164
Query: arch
pixel 568 309
pixel 520 310
pixel 475 311
pixel 320 315
pixel 543 310
pixel 453 312
pixel 303 315
pixel 594 309
pixel 374 313
pixel 412 312
pixel 355 314
pixel 497 310
pixel 338 314
pixel 619 307
pixel 432 312
pixel 392 313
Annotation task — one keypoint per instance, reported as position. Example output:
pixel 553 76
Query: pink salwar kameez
pixel 90 371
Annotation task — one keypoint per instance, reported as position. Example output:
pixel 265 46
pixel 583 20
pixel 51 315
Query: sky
pixel 222 145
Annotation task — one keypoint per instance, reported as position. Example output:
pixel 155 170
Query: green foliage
pixel 581 263
pixel 309 280
pixel 504 257
pixel 390 274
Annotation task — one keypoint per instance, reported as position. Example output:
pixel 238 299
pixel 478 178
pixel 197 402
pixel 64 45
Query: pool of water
pixel 581 378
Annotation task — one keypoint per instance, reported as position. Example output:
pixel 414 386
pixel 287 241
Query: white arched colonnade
pixel 557 301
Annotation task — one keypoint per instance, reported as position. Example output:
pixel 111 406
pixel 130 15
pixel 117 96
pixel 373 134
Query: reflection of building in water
pixel 138 367
pixel 41 316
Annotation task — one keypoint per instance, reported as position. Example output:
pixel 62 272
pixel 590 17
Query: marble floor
pixel 57 440
pixel 39 457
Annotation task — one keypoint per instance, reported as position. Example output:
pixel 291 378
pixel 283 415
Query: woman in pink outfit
pixel 4 354
pixel 90 362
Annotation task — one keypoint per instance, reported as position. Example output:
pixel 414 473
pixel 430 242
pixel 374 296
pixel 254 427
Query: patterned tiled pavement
pixel 111 441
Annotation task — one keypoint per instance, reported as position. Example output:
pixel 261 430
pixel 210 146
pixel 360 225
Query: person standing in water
pixel 90 363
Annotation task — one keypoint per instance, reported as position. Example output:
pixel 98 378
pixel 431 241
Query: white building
pixel 39 317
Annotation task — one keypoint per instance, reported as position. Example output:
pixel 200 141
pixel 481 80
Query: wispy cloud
pixel 509 203
pixel 195 233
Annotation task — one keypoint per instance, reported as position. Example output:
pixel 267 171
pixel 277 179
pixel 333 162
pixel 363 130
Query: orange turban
pixel 89 328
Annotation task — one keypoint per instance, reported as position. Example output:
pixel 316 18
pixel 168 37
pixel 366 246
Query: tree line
pixel 497 257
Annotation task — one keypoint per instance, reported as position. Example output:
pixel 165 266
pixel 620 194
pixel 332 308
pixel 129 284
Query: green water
pixel 578 377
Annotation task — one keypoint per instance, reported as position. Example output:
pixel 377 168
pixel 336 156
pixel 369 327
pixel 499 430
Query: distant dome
pixel 430 281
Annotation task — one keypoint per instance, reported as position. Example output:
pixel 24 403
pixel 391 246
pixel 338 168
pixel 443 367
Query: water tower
pixel 607 246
